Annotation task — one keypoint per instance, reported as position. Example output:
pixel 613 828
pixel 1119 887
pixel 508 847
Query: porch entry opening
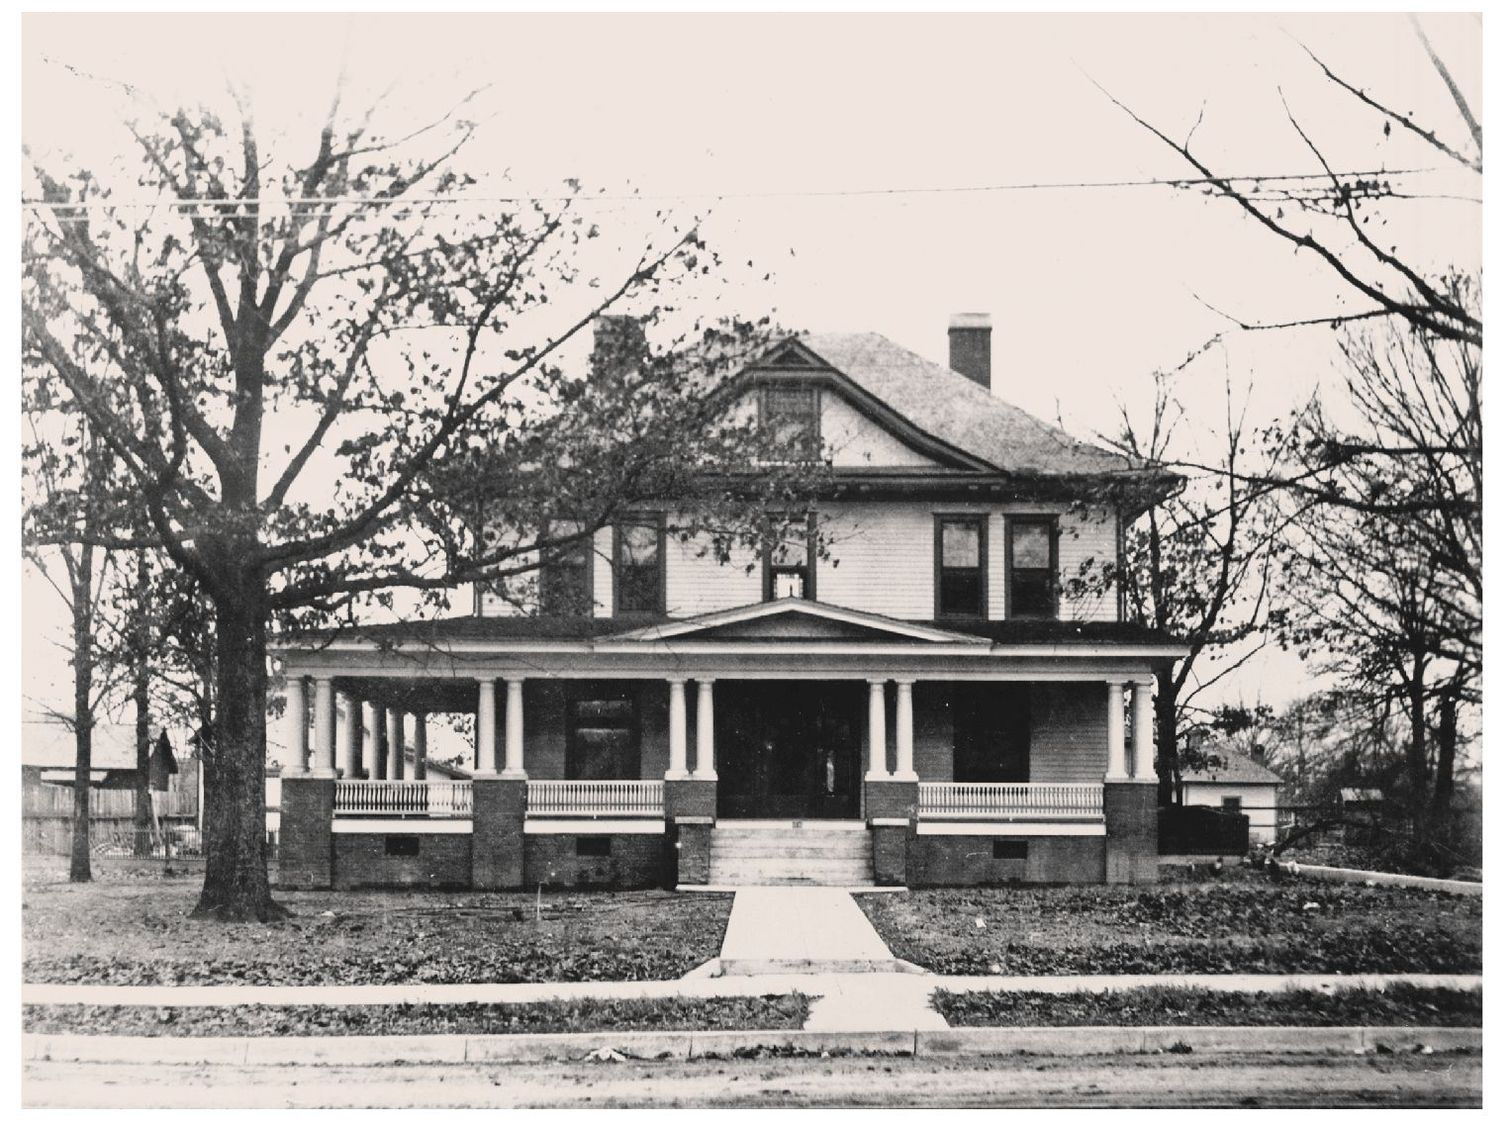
pixel 789 749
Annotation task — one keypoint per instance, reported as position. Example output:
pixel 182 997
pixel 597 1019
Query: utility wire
pixel 319 202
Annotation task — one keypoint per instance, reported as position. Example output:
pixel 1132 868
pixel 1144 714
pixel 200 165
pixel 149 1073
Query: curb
pixel 536 1047
pixel 1390 880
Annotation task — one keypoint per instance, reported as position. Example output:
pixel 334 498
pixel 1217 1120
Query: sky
pixel 876 167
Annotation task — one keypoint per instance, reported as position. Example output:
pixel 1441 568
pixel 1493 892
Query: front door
pixel 789 749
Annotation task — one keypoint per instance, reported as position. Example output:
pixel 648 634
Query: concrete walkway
pixel 802 930
pixel 731 986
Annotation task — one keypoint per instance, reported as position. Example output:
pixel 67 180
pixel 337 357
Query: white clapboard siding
pixel 696 583
pixel 881 561
pixel 850 439
pixel 1088 539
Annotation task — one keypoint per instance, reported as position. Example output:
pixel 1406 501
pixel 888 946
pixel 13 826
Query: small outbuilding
pixel 1242 786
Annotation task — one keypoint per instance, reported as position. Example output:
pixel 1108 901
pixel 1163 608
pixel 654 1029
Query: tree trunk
pixel 1415 752
pixel 235 823
pixel 1166 734
pixel 83 711
pixel 142 704
pixel 1442 837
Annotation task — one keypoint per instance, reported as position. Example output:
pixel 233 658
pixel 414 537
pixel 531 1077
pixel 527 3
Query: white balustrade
pixel 596 798
pixel 395 798
pixel 1009 800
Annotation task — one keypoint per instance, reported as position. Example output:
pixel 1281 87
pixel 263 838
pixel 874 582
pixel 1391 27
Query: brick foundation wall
pixel 364 861
pixel 304 846
pixel 694 852
pixel 633 861
pixel 942 860
pixel 498 833
pixel 891 799
pixel 889 847
pixel 1132 833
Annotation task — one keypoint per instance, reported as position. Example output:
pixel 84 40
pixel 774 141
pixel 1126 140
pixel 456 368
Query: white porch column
pixel 350 743
pixel 1116 733
pixel 367 757
pixel 705 730
pixel 877 731
pixel 905 771
pixel 487 733
pixel 1142 724
pixel 380 742
pixel 324 764
pixel 298 728
pixel 395 743
pixel 421 746
pixel 677 721
pixel 513 731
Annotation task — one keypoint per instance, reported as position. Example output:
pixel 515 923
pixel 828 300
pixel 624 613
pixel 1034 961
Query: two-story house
pixel 943 699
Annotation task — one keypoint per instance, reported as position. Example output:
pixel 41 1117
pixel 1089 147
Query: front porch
pixel 596 766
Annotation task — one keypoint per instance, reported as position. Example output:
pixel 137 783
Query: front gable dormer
pixel 793 386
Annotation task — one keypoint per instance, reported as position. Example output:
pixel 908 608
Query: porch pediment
pixel 796 620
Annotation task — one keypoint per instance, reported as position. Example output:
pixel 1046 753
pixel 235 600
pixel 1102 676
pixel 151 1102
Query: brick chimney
pixel 970 346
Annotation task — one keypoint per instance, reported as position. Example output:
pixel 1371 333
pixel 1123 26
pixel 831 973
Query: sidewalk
pixel 801 930
pixel 817 985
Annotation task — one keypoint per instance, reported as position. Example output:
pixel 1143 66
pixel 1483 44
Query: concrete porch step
pixel 731 967
pixel 783 849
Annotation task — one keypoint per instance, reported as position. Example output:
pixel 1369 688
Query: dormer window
pixel 960 552
pixel 789 413
pixel 1032 561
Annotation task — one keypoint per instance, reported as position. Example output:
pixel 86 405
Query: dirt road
pixel 1445 1080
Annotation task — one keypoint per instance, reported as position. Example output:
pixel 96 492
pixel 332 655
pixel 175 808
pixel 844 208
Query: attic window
pixel 789 414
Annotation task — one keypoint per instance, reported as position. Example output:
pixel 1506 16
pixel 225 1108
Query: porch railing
pixel 597 798
pixel 398 797
pixel 1009 800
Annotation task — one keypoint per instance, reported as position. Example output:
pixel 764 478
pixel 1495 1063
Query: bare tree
pixel 321 370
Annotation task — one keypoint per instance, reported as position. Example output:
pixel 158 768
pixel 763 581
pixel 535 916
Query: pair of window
pixel 1031 551
pixel 639 575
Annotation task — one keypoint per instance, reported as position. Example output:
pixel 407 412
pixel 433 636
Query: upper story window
pixel 566 572
pixel 791 558
pixel 639 577
pixel 1032 561
pixel 789 413
pixel 960 552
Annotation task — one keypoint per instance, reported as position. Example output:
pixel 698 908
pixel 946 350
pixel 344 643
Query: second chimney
pixel 970 346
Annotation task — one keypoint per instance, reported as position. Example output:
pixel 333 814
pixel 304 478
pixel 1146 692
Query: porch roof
pixel 482 629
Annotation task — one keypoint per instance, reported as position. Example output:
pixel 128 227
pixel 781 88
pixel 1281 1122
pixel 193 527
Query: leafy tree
pixel 322 371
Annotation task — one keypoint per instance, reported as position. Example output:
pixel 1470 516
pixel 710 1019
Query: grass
pixel 137 931
pixel 1163 1005
pixel 1242 923
pixel 589 1015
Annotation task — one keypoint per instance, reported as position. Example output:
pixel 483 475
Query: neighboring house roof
pixel 958 411
pixel 50 743
pixel 1238 769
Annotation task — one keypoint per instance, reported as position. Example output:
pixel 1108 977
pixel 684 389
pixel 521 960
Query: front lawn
pixel 134 932
pixel 1165 1005
pixel 587 1015
pixel 1242 923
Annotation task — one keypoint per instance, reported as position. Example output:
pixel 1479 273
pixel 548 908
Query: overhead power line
pixel 452 200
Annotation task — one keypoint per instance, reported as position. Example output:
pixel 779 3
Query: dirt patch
pixel 1162 1005
pixel 1241 924
pixel 138 932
